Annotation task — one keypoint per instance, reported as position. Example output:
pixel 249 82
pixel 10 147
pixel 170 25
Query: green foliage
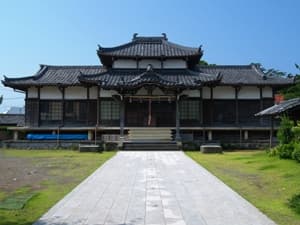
pixel 296 152
pixel 294 203
pixel 285 133
pixel 285 151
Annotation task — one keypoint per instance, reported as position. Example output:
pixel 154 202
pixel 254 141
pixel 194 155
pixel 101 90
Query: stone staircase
pixel 150 146
pixel 150 134
pixel 150 139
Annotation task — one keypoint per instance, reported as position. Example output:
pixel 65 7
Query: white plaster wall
pixel 249 93
pixel 157 91
pixel 224 92
pixel 93 92
pixel 124 63
pixel 50 92
pixel 75 93
pixel 32 92
pixel 192 93
pixel 107 93
pixel 174 63
pixel 145 62
pixel 142 91
pixel 206 92
pixel 267 92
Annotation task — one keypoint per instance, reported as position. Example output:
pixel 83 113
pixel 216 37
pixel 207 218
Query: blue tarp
pixel 56 136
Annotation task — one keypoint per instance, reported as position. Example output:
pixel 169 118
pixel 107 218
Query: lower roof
pixel 280 108
pixel 237 75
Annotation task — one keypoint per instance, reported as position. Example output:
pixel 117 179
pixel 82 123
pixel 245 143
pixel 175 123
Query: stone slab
pixel 153 188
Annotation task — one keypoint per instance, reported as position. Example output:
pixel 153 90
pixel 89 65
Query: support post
pixel 271 131
pixel 211 105
pixel 246 135
pixel 122 119
pixel 98 106
pixel 237 89
pixel 261 104
pixel 39 106
pixel 16 135
pixel 88 104
pixel 90 135
pixel 210 135
pixel 177 137
pixel 201 106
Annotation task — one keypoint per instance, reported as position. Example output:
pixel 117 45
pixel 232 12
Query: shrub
pixel 285 150
pixel 285 133
pixel 296 152
pixel 294 203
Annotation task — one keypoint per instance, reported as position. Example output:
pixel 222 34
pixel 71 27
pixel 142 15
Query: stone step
pixel 144 134
pixel 150 146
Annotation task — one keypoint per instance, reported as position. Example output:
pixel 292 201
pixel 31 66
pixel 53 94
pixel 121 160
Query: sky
pixel 67 32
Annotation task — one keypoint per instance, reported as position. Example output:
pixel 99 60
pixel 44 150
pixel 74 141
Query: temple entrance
pixel 150 113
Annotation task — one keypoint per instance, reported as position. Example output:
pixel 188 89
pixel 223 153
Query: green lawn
pixel 55 173
pixel 267 182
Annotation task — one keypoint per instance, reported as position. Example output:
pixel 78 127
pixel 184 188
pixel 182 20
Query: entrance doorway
pixel 150 113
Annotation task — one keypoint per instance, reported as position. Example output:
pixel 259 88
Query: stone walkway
pixel 157 188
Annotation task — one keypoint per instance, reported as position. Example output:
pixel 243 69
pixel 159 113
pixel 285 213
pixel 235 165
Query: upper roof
pixel 149 47
pixel 203 75
pixel 280 108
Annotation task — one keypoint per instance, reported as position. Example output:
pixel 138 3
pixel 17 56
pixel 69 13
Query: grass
pixel 64 169
pixel 267 182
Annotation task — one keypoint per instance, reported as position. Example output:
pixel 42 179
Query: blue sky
pixel 63 32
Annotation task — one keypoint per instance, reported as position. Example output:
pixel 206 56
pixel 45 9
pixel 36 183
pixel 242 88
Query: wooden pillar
pixel 98 105
pixel 211 105
pixel 122 116
pixel 261 104
pixel 271 131
pixel 63 106
pixel 177 137
pixel 16 135
pixel 201 106
pixel 90 135
pixel 246 135
pixel 88 104
pixel 39 106
pixel 237 89
pixel 210 137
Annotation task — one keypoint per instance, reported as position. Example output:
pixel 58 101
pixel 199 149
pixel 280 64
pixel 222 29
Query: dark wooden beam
pixel 88 104
pixel 63 106
pixel 237 90
pixel 201 106
pixel 211 104
pixel 261 103
pixel 122 116
pixel 39 106
pixel 177 136
pixel 98 105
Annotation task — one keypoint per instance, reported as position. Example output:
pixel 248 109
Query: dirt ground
pixel 19 172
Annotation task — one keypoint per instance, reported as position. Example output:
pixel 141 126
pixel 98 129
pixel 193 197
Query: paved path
pixel 157 188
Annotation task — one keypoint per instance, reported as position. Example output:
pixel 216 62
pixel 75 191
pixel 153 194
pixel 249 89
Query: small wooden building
pixel 150 84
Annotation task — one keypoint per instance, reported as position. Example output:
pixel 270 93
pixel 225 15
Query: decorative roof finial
pixel 200 49
pixel 99 46
pixel 165 36
pixel 134 36
pixel 149 67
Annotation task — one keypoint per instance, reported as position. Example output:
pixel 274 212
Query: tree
pixel 203 62
pixel 294 91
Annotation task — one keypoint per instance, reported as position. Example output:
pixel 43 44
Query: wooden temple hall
pixel 149 89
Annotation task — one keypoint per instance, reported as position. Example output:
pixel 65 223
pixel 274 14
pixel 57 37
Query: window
pixel 75 111
pixel 189 110
pixel 50 111
pixel 109 110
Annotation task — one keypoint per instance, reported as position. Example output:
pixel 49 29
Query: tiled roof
pixel 245 75
pixel 69 75
pixel 117 78
pixel 12 119
pixel 54 75
pixel 280 108
pixel 149 47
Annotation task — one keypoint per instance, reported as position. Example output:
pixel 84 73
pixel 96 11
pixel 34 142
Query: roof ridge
pixel 226 66
pixel 72 66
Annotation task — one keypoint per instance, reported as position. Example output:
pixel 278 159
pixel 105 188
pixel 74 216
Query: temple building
pixel 149 89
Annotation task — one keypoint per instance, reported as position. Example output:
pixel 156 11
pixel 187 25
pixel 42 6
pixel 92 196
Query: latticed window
pixel 110 110
pixel 51 111
pixel 75 111
pixel 189 110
